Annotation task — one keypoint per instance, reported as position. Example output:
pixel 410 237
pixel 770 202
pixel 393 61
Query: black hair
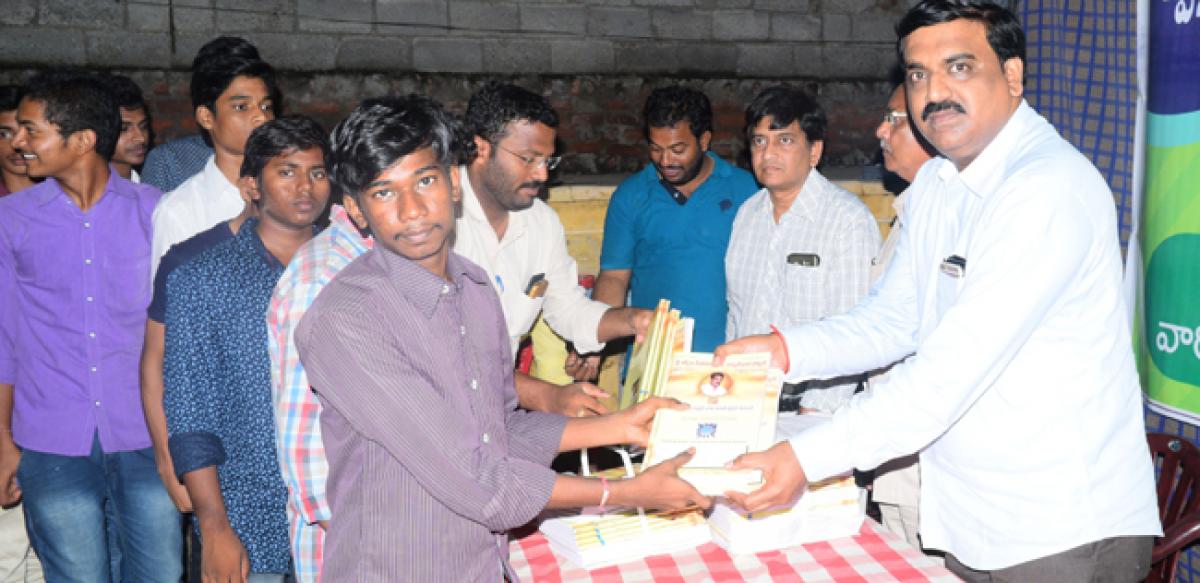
pixel 214 76
pixel 1004 32
pixel 280 135
pixel 667 106
pixel 785 105
pixel 10 97
pixel 382 130
pixel 231 46
pixel 76 101
pixel 496 104
pixel 125 91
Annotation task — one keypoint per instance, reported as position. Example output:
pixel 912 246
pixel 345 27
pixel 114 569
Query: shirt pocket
pixel 804 291
pixel 520 312
pixel 948 288
pixel 125 279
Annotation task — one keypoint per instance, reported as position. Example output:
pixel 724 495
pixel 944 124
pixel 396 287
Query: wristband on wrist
pixel 787 359
pixel 604 496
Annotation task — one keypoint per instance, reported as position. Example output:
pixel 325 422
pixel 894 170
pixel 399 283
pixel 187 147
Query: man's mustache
pixel 532 184
pixel 933 108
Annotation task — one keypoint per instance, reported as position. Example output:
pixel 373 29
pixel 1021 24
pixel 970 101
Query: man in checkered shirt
pixel 801 248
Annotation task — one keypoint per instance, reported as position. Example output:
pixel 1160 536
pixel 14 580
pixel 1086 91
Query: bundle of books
pixel 669 333
pixel 593 540
pixel 733 409
pixel 829 509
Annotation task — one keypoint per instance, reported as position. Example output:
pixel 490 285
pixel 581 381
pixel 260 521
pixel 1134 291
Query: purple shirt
pixel 430 461
pixel 74 291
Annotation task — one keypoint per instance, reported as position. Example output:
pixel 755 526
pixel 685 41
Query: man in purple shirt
pixel 431 461
pixel 74 251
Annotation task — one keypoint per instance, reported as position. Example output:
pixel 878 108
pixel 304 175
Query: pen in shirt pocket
pixel 537 285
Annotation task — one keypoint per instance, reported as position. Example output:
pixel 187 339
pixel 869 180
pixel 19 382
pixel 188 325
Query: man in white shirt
pixel 801 248
pixel 508 231
pixel 897 485
pixel 1021 394
pixel 232 95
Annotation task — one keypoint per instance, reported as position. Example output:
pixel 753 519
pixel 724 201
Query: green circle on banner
pixel 1173 308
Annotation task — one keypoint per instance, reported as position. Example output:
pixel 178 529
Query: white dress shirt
pixel 534 243
pixel 764 288
pixel 1022 394
pixel 199 203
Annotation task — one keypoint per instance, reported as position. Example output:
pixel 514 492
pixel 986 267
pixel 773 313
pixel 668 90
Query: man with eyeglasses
pixel 801 248
pixel 897 486
pixel 519 241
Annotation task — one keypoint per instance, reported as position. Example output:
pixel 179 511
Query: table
pixel 873 555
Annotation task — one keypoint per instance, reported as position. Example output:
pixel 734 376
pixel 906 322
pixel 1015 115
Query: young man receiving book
pixel 408 350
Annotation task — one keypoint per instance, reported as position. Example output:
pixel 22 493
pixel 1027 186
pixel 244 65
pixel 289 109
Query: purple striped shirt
pixel 430 461
pixel 73 297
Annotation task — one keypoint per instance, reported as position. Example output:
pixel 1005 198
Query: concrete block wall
pixel 596 59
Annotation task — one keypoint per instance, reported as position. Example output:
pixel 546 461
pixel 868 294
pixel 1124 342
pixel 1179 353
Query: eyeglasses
pixel 547 162
pixel 894 117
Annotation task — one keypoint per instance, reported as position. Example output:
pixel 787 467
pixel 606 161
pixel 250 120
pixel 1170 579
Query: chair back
pixel 1177 462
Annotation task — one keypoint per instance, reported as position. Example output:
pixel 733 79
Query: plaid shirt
pixel 765 288
pixel 298 435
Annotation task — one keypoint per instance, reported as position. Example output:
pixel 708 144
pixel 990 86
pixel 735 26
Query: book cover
pixel 732 411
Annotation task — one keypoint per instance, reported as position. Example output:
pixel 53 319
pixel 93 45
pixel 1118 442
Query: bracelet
pixel 787 359
pixel 604 496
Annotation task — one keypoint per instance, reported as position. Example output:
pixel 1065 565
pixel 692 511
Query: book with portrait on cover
pixel 732 411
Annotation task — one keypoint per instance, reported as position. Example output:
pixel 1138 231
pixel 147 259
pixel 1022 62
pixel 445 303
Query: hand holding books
pixel 783 478
pixel 660 487
pixel 637 420
pixel 771 343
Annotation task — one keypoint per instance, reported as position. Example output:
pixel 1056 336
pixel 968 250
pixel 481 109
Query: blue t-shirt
pixel 677 251
pixel 177 255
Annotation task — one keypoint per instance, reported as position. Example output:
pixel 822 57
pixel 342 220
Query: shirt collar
pixel 473 210
pixel 50 189
pixel 807 202
pixel 340 219
pixel 248 235
pixel 212 177
pixel 424 289
pixel 988 168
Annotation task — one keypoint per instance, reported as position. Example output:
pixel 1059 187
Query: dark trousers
pixel 1123 559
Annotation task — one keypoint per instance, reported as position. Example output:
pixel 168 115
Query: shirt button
pixel 97 403
pixel 486 438
pixel 474 385
pixel 87 225
pixel 91 334
pixel 93 369
pixel 462 330
pixel 89 298
pixel 445 289
pixel 87 261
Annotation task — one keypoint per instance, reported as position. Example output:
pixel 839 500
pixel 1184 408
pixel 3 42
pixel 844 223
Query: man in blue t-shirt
pixel 668 225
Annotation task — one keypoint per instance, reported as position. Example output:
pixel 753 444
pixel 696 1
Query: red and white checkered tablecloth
pixel 874 555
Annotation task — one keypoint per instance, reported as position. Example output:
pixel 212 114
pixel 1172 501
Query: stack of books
pixel 669 333
pixel 592 540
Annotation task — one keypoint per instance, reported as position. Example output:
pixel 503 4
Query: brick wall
pixel 596 59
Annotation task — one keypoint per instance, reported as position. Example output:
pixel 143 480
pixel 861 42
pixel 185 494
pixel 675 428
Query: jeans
pixel 65 498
